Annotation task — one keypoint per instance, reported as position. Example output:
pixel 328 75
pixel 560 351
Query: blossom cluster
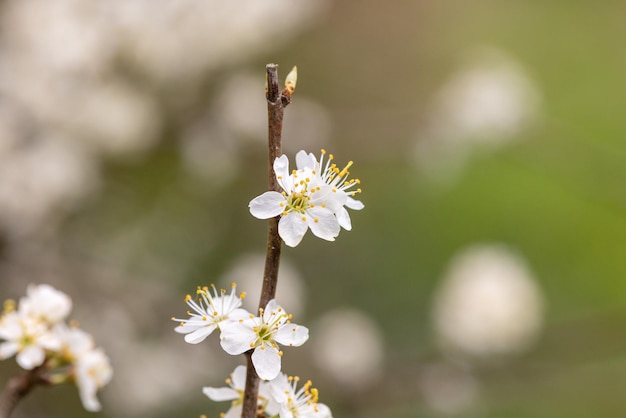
pixel 315 195
pixel 278 397
pixel 35 332
pixel 241 331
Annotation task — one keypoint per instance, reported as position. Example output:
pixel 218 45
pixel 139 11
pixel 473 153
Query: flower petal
pixel 237 337
pixel 323 411
pixel 343 217
pixel 220 394
pixel 31 357
pixel 238 377
pixel 304 160
pixel 267 205
pixel 292 228
pixel 292 335
pixel 271 309
pixel 266 362
pixel 283 177
pixel 200 334
pixel 7 349
pixel 354 204
pixel 323 223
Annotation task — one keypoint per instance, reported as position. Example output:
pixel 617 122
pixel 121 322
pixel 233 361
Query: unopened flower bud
pixel 290 81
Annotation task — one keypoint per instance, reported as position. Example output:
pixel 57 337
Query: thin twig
pixel 276 102
pixel 18 387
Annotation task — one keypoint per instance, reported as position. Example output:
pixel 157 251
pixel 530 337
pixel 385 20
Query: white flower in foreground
pixel 297 403
pixel 27 337
pixel 46 303
pixel 235 390
pixel 210 311
pixel 262 334
pixel 336 178
pixel 306 202
pixel 92 372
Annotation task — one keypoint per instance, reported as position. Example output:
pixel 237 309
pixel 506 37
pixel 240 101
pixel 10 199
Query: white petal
pixel 239 377
pixel 270 310
pixel 234 412
pixel 354 204
pixel 200 334
pixel 31 357
pixel 220 394
pixel 343 217
pixel 285 411
pixel 323 223
pixel 292 228
pixel 186 328
pixel 237 337
pixel 266 362
pixel 323 411
pixel 267 205
pixel 333 200
pixel 292 335
pixel 283 177
pixel 304 160
pixel 7 349
pixel 87 393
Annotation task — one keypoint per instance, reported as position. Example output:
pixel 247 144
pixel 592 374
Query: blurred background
pixel 484 278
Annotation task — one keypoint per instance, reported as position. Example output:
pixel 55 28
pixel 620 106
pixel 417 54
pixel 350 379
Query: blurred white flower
pixel 27 337
pixel 235 390
pixel 488 304
pixel 36 333
pixel 74 342
pixel 448 389
pixel 39 179
pixel 44 302
pixel 263 334
pixel 209 312
pixel 59 36
pixel 297 403
pixel 247 270
pixel 348 347
pixel 93 371
pixel 206 35
pixel 489 101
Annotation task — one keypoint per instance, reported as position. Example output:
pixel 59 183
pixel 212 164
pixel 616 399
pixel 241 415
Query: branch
pixel 18 387
pixel 276 102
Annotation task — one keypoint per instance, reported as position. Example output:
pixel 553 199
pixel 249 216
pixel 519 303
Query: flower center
pixel 297 202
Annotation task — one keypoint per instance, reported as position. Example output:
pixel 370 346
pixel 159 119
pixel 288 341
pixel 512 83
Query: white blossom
pixel 235 390
pixel 262 334
pixel 92 372
pixel 26 337
pixel 297 403
pixel 336 178
pixel 306 202
pixel 209 312
pixel 46 303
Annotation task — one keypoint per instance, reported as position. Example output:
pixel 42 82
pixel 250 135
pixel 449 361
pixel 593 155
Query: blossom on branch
pixel 263 334
pixel 234 393
pixel 297 403
pixel 36 334
pixel 336 178
pixel 313 197
pixel 209 312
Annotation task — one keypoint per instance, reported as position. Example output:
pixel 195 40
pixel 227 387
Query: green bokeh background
pixel 556 195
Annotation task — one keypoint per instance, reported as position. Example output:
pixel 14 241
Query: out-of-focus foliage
pixel 489 141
